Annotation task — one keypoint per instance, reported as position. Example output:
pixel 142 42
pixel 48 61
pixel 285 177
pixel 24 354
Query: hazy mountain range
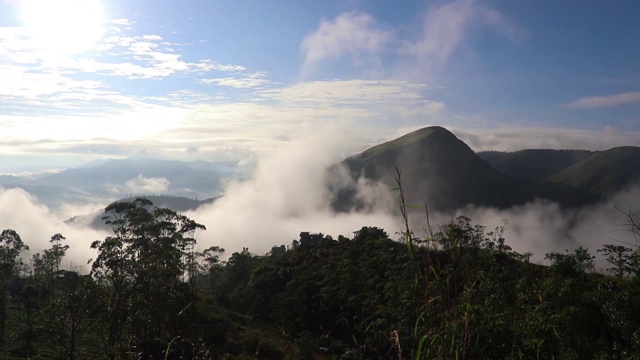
pixel 119 178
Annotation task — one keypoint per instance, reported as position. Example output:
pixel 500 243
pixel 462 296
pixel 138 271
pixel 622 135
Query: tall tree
pixel 142 266
pixel 46 265
pixel 11 246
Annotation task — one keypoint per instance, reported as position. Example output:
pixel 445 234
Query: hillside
pixel 439 168
pixel 604 172
pixel 533 164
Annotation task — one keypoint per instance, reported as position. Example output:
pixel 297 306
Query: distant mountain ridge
pixel 440 169
pixel 533 164
pixel 604 172
pixel 599 172
pixel 108 179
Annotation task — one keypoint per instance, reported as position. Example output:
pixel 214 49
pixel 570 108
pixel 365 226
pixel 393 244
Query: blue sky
pixel 218 80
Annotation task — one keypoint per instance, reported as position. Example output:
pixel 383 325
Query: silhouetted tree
pixel 141 267
pixel 620 257
pixel 11 246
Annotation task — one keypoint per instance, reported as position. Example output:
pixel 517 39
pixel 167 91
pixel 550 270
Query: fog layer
pixel 288 193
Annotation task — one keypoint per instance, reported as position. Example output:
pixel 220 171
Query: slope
pixel 604 172
pixel 440 169
pixel 533 164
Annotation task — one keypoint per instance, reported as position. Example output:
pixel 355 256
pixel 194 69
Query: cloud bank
pixel 36 224
pixel 143 185
pixel 592 102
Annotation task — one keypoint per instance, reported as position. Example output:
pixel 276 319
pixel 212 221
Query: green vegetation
pixel 457 292
pixel 601 173
pixel 604 172
pixel 400 142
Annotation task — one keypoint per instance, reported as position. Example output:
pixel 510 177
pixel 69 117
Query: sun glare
pixel 64 26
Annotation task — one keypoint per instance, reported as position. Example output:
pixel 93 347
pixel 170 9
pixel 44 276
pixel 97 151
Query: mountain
pixel 107 179
pixel 185 177
pixel 440 169
pixel 604 172
pixel 533 164
pixel 175 203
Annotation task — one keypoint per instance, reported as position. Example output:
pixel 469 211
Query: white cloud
pixel 36 224
pixel 245 81
pixel 143 185
pixel 287 195
pixel 354 34
pixel 347 92
pixel 512 138
pixel 147 57
pixel 170 124
pixel 444 28
pixel 121 22
pixel 542 227
pixel 606 101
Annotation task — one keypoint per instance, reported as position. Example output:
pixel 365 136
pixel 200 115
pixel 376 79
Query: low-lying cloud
pixel 143 185
pixel 542 227
pixel 287 193
pixel 35 224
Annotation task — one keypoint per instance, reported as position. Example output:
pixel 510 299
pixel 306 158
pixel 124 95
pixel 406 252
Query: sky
pixel 221 80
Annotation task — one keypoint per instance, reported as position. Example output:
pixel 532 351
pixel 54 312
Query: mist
pixel 288 192
pixel 542 227
pixel 35 223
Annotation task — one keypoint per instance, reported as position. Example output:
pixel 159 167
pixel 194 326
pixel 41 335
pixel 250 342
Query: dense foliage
pixel 457 293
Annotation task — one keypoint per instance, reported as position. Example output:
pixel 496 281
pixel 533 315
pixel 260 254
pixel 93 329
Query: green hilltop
pixel 604 172
pixel 440 169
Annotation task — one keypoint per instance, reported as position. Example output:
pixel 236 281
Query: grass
pixel 397 143
pixel 604 172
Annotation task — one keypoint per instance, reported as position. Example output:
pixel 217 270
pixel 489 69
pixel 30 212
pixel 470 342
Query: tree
pixel 633 221
pixel 571 264
pixel 212 266
pixel 46 265
pixel 141 268
pixel 67 310
pixel 620 257
pixel 11 246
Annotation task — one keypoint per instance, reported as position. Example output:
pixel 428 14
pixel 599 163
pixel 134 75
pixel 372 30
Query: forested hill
pixel 440 169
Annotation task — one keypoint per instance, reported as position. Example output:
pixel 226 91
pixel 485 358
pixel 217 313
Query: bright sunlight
pixel 64 26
